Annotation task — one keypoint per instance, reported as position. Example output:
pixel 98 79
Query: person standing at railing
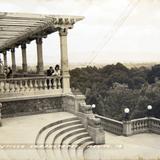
pixel 9 72
pixel 50 72
pixel 57 71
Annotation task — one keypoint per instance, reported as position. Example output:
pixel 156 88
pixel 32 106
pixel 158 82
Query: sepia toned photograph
pixel 79 79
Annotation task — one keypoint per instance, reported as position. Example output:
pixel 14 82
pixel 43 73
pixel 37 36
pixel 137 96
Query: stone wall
pixel 31 106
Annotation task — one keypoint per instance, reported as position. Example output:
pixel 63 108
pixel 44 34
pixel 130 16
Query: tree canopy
pixel 115 87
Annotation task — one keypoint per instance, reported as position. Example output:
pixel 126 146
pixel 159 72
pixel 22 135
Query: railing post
pixel 149 124
pixel 127 128
pixel 0 114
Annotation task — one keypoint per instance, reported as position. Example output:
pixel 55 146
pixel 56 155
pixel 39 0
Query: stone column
pixel 127 128
pixel 5 59
pixel 13 60
pixel 64 61
pixel 40 67
pixel 24 58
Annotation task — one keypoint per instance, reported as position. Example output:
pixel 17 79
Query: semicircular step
pixel 69 141
pixel 81 148
pixel 51 140
pixel 73 147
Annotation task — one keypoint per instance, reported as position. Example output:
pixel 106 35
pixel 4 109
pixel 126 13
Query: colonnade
pixel 40 65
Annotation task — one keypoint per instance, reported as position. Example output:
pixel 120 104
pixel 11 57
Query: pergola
pixel 19 29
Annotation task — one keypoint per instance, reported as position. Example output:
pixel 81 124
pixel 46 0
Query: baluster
pixel 26 84
pixel 59 82
pixel 45 84
pixel 15 86
pixel 35 85
pixel 31 84
pixel 10 86
pixel 40 84
pixel 20 85
pixel 5 86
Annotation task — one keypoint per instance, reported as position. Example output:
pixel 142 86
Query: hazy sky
pixel 135 40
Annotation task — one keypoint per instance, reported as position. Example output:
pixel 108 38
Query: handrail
pixel 111 125
pixel 109 119
pixel 28 78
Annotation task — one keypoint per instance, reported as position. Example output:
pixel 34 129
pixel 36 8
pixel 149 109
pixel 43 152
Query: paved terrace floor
pixel 23 130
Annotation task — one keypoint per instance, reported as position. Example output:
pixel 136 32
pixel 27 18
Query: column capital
pixel 23 45
pixel 39 40
pixel 12 50
pixel 63 31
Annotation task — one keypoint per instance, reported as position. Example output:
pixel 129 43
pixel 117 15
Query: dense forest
pixel 115 87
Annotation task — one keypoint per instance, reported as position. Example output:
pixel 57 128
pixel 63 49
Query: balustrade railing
pixel 127 128
pixel 154 125
pixel 29 84
pixel 140 125
pixel 111 125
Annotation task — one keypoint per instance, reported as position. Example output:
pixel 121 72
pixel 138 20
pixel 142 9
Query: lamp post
pixel 126 111
pixel 93 106
pixel 127 126
pixel 149 108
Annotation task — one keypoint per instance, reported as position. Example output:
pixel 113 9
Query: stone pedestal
pixel 97 134
pixel 127 128
pixel 79 99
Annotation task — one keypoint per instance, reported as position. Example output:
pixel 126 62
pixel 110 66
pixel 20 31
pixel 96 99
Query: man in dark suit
pixel 50 71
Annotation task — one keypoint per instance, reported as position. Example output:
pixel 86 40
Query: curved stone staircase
pixel 65 139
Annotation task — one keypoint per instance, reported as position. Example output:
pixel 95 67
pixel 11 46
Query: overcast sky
pixel 103 36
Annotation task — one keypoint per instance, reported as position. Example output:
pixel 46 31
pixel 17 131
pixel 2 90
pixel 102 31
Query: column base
pixel 13 68
pixel 24 66
pixel 40 70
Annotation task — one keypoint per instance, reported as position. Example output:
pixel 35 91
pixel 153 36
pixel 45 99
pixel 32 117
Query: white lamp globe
pixel 126 110
pixel 149 107
pixel 93 106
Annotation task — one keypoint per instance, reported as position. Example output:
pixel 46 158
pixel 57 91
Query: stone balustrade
pixel 27 85
pixel 154 125
pixel 140 125
pixel 128 128
pixel 111 125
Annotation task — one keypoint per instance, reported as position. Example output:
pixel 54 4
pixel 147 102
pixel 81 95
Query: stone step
pixel 73 147
pixel 49 130
pixel 43 136
pixel 53 124
pixel 64 136
pixel 54 131
pixel 69 141
pixel 52 139
pixel 81 148
pixel 68 134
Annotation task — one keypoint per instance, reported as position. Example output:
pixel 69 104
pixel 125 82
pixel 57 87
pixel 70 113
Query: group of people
pixel 53 72
pixel 8 72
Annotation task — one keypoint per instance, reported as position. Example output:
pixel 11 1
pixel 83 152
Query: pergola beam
pixel 18 28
